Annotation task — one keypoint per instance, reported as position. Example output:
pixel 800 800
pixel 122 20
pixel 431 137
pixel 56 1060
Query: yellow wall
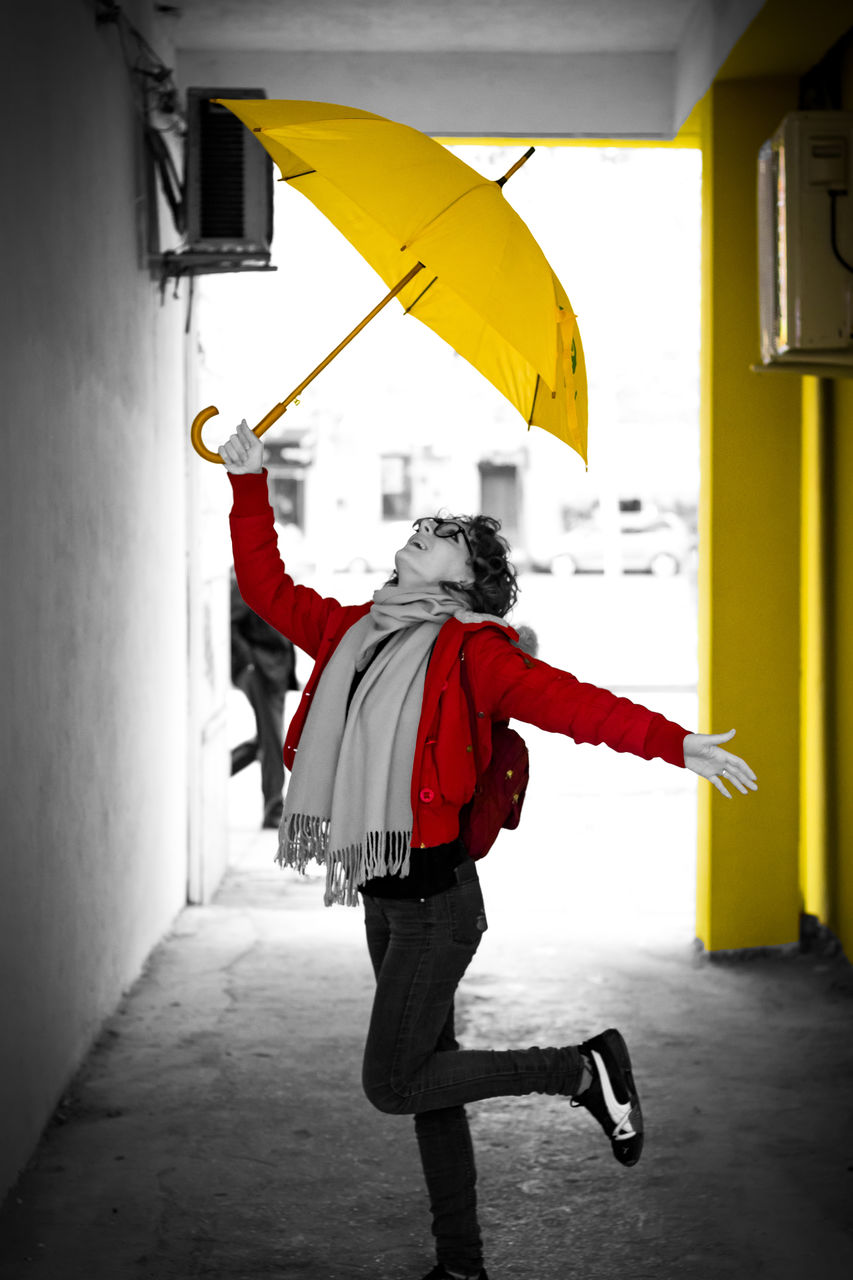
pixel 826 833
pixel 748 874
pixel 839 433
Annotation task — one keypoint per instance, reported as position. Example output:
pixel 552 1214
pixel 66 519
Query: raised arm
pixel 299 613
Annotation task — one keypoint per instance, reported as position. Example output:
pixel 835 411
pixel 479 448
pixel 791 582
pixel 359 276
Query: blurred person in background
pixel 263 666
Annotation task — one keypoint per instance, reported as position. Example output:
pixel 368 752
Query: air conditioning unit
pixel 227 186
pixel 805 240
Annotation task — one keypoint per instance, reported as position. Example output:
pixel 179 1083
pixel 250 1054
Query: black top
pixel 359 675
pixel 431 871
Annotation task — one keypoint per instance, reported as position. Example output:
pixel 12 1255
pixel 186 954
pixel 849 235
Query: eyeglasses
pixel 444 529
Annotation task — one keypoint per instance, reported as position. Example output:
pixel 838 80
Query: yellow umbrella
pixel 457 256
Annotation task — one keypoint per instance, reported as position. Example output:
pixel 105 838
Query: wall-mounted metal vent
pixel 228 180
pixel 805 242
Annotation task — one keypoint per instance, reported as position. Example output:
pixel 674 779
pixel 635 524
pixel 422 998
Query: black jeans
pixel 420 948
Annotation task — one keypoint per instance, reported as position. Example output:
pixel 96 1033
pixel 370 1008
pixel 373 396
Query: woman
pixel 382 762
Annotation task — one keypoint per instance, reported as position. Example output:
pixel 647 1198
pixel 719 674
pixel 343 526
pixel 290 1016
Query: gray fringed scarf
pixel 348 803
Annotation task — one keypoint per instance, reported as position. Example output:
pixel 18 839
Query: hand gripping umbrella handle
pixel 211 411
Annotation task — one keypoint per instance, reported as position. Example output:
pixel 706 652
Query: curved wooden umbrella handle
pixel 211 411
pixel 195 433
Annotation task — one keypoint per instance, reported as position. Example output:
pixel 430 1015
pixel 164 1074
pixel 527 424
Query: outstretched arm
pixel 704 755
pixel 510 684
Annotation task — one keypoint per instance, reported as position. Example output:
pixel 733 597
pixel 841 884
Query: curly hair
pixel 495 588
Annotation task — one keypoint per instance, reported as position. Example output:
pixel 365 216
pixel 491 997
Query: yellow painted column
pixel 814 794
pixel 840 701
pixel 747 890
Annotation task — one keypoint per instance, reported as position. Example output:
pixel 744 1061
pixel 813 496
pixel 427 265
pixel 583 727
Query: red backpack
pixel 501 786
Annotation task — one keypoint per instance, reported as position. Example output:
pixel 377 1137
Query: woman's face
pixel 429 559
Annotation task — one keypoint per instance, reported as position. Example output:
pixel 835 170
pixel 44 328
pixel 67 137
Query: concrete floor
pixel 218 1128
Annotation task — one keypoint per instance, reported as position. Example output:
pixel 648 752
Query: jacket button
pixel 427 795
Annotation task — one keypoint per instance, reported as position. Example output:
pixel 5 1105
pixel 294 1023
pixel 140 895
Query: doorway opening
pixel 399 426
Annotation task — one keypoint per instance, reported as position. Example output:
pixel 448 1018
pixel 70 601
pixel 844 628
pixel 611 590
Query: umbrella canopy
pixel 402 199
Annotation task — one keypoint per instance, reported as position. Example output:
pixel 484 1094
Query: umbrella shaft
pixel 280 408
pixel 276 412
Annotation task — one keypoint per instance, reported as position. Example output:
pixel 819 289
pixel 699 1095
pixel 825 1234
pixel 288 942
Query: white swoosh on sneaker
pixel 619 1112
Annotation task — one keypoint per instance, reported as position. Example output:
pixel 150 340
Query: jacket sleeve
pixel 299 613
pixel 509 684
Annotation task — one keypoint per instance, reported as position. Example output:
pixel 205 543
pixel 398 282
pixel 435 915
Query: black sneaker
pixel 440 1272
pixel 612 1097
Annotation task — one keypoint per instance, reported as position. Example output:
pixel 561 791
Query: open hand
pixel 243 452
pixel 704 755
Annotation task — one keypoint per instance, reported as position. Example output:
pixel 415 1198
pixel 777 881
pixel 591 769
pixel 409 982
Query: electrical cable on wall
pixel 169 129
pixel 833 229
pixel 157 103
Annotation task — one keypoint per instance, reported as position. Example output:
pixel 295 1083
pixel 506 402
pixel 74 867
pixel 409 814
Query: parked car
pixel 649 542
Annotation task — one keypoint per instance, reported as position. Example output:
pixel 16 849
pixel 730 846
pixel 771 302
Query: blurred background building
pixel 399 425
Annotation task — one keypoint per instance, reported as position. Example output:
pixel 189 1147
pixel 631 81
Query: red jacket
pixel 506 683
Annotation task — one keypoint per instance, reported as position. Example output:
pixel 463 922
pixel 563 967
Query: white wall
pixel 94 743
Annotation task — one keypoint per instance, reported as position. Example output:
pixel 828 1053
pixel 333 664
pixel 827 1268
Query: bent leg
pixel 430 944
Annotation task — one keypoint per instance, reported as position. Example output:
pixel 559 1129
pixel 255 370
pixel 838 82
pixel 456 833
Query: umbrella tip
pixel 528 153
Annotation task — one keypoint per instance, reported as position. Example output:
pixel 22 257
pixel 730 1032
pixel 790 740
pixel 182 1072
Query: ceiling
pixel 394 26
pixel 498 68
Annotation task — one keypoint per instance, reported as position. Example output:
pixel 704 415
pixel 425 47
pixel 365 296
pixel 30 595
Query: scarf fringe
pixel 381 853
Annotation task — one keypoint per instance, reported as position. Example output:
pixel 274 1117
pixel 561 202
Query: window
pixel 396 486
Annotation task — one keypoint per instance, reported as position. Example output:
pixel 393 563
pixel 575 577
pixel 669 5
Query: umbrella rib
pixel 498 182
pixel 533 406
pixel 443 211
pixel 420 295
pixel 261 129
